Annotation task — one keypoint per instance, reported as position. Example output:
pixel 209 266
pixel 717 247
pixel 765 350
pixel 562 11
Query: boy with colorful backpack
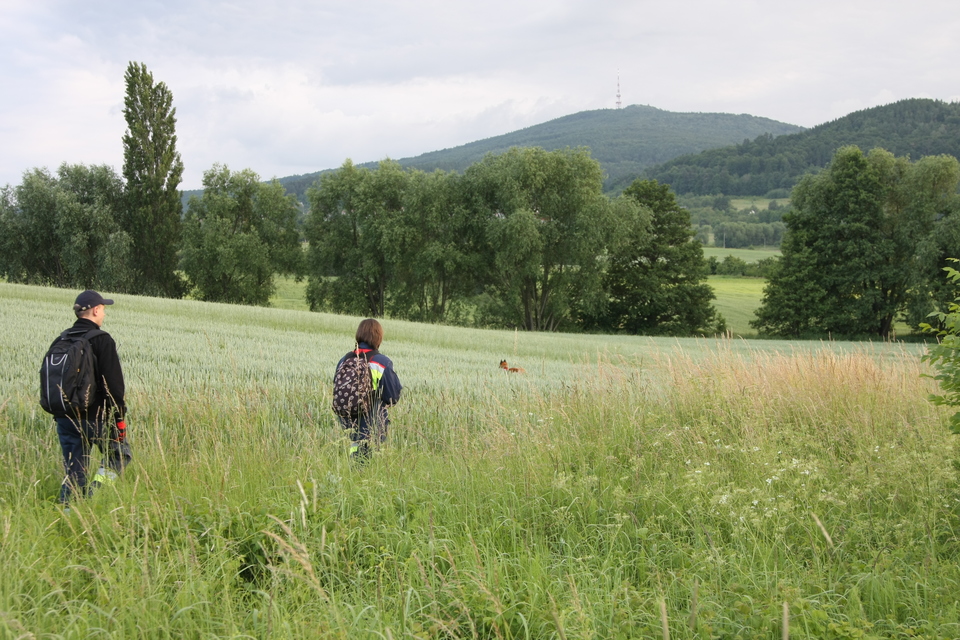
pixel 364 385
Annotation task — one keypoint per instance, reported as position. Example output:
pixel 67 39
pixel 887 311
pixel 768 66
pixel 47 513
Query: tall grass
pixel 569 502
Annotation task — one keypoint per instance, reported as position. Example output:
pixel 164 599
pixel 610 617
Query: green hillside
pixel 625 141
pixel 915 127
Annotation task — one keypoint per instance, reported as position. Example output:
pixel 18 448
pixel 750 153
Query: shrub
pixel 945 355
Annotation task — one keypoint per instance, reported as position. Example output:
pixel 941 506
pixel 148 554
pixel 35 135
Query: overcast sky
pixel 287 86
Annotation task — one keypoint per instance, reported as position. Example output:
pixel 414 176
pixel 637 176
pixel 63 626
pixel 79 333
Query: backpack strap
pixel 89 334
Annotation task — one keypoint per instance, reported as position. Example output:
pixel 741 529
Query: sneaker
pixel 103 476
pixel 360 452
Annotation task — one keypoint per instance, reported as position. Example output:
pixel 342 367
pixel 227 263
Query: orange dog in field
pixel 509 369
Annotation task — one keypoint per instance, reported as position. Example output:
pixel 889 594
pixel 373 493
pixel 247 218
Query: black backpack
pixel 68 385
pixel 353 386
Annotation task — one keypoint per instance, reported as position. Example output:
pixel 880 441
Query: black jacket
pixel 110 386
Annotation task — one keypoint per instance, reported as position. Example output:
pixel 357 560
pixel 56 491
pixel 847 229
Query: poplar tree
pixel 152 170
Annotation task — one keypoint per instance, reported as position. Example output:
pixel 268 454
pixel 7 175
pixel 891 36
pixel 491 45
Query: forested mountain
pixel 625 141
pixel 915 128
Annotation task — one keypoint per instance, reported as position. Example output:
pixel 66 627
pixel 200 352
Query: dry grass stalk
pixel 663 620
pixel 693 604
pixel 823 530
pixel 786 621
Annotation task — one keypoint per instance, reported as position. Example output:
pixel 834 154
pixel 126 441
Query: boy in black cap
pixel 103 423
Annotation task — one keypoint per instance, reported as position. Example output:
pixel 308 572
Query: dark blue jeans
pixel 77 438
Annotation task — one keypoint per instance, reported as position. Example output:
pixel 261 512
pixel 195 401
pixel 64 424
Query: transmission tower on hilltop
pixel 618 89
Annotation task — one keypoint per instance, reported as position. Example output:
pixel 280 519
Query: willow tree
pixel 347 227
pixel 546 222
pixel 238 236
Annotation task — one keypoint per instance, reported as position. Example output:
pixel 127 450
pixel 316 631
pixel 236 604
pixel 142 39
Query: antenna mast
pixel 618 88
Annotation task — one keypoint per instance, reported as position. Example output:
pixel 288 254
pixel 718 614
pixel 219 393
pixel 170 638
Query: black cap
pixel 89 299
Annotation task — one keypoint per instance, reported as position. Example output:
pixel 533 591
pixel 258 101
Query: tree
pixel 851 255
pixel 928 199
pixel 546 222
pixel 152 169
pixel 944 356
pixel 347 228
pixel 61 229
pixel 931 291
pixel 832 255
pixel 237 236
pixel 656 277
pixel 29 231
pixel 434 248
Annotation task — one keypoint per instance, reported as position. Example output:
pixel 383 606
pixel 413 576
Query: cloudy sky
pixel 295 86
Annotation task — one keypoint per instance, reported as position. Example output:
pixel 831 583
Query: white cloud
pixel 298 86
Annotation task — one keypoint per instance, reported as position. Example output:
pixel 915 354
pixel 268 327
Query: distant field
pixel 758 203
pixel 289 294
pixel 747 255
pixel 738 299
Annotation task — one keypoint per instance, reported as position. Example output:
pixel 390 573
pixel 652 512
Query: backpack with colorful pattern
pixel 352 387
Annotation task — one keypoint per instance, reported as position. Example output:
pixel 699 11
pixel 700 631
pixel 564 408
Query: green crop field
pixel 747 255
pixel 758 203
pixel 289 294
pixel 737 300
pixel 623 487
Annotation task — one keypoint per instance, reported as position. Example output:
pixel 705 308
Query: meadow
pixel 623 487
pixel 756 203
pixel 737 300
pixel 749 256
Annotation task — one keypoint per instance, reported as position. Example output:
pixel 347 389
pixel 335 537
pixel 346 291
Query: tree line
pixel 522 239
pixel 87 226
pixel 526 238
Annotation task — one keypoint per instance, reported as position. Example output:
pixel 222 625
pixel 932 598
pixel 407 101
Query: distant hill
pixel 625 141
pixel 915 127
